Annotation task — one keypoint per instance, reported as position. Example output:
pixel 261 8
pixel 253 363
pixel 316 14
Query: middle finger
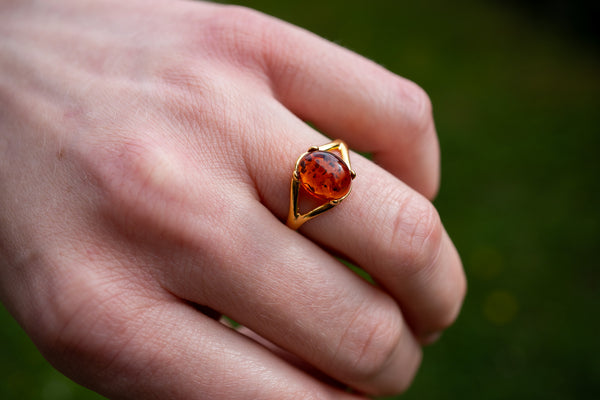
pixel 384 226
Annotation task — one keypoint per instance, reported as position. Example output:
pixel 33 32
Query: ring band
pixel 324 176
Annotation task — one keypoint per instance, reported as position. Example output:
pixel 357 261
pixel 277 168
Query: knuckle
pixel 416 236
pixel 370 342
pixel 417 110
pixel 425 239
pixel 138 181
pixel 182 82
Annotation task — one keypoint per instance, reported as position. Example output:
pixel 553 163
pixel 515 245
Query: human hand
pixel 146 150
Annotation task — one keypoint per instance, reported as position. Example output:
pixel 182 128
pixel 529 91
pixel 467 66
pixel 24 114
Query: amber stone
pixel 324 175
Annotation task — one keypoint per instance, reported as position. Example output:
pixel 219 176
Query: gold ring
pixel 325 175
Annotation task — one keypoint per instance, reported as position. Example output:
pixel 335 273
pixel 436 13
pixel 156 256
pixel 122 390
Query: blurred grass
pixel 516 107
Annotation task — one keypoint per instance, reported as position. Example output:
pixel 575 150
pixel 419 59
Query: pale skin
pixel 146 151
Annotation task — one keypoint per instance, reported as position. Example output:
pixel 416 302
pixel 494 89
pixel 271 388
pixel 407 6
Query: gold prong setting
pixel 295 218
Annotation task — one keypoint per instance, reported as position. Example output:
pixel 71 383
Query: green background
pixel 515 92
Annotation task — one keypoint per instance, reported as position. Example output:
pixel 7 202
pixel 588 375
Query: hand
pixel 146 150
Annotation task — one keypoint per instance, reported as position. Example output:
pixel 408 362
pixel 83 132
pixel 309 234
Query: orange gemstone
pixel 324 175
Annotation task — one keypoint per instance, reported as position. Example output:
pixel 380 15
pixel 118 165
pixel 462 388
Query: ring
pixel 324 176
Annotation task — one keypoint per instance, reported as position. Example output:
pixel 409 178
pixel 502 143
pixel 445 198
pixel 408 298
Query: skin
pixel 146 150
